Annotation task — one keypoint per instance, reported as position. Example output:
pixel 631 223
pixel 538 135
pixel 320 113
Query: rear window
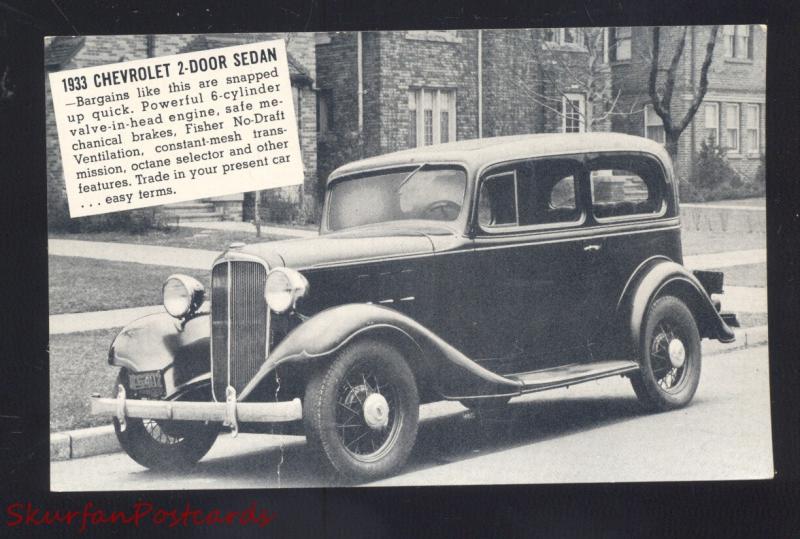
pixel 626 186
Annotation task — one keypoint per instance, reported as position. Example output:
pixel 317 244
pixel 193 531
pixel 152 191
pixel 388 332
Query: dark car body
pixel 493 302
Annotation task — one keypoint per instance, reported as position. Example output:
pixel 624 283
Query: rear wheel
pixel 361 412
pixel 670 356
pixel 162 444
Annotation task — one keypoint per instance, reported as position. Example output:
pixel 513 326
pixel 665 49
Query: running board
pixel 574 373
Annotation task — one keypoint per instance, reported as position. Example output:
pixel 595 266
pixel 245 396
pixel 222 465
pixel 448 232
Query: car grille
pixel 239 324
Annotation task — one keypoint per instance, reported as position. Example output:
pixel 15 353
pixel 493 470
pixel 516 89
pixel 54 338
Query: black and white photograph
pixel 464 257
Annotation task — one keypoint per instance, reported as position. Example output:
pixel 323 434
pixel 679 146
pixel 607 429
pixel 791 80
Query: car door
pixel 528 275
pixel 632 219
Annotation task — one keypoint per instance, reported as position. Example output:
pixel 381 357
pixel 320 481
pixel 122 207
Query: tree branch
pixel 655 100
pixel 669 84
pixel 700 93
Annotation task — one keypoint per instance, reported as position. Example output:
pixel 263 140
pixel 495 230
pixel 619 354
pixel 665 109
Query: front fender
pixel 667 277
pixel 435 362
pixel 159 342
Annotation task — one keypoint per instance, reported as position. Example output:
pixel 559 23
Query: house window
pixel 738 41
pixel 711 121
pixel 431 117
pixel 732 127
pixel 573 113
pixel 751 124
pixel 563 36
pixel 621 43
pixel 653 125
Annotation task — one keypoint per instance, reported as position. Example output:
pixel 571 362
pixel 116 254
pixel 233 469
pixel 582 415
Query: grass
pixel 84 284
pixel 78 368
pixel 191 238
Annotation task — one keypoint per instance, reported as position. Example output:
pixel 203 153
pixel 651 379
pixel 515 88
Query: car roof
pixel 476 153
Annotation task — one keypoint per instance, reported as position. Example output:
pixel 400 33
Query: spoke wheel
pixel 361 412
pixel 166 445
pixel 670 356
pixel 367 415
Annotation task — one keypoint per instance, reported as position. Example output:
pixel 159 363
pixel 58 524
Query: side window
pixel 497 201
pixel 536 193
pixel 625 186
pixel 547 192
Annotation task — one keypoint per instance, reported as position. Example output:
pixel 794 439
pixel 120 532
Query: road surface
pixel 594 432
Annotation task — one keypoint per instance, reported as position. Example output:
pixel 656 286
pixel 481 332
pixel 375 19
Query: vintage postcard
pixel 439 257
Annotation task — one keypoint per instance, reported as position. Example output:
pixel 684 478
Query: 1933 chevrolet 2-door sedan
pixel 473 271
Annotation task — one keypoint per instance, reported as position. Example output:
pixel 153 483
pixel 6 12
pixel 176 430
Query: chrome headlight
pixel 284 287
pixel 182 295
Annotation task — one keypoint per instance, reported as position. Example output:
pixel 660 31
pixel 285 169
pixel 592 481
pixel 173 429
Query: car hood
pixel 351 246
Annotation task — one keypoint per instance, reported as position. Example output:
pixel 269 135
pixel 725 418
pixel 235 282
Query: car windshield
pixel 426 192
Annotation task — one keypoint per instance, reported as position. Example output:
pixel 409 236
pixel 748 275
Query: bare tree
pixel 661 97
pixel 580 67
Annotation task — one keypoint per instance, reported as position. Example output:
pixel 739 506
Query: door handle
pixel 592 248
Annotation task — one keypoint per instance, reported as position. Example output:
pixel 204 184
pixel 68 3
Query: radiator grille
pixel 239 324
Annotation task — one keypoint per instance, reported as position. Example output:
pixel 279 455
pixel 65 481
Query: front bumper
pixel 230 413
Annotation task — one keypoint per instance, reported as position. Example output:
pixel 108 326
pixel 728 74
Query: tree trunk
pixel 671 144
pixel 257 212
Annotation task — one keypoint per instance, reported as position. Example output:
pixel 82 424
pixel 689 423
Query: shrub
pixel 713 177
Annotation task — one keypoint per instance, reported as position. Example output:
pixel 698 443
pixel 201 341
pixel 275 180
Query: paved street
pixel 593 432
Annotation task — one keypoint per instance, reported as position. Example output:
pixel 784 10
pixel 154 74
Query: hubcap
pixel 677 353
pixel 376 411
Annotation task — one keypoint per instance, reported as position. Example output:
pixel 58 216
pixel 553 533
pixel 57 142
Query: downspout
pixel 691 84
pixel 360 67
pixel 480 83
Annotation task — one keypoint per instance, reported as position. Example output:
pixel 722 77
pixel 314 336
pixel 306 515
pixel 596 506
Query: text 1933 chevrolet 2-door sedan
pixel 473 271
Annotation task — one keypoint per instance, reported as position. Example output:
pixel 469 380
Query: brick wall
pixel 407 62
pixel 512 83
pixel 337 75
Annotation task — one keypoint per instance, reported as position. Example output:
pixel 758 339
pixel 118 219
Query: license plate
pixel 145 380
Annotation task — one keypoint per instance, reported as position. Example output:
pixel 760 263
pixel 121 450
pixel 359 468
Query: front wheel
pixel 161 444
pixel 670 356
pixel 361 412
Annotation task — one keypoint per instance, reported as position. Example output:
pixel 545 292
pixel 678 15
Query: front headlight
pixel 182 295
pixel 284 287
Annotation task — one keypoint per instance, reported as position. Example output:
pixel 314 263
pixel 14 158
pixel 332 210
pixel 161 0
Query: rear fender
pixel 159 342
pixel 437 365
pixel 663 277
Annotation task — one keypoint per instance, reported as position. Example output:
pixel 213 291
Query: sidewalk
pixel 239 226
pixel 75 322
pixel 726 259
pixel 154 255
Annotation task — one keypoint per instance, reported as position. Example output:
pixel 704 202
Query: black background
pixel 754 508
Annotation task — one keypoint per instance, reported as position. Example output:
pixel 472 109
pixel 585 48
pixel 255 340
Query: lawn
pixel 191 238
pixel 84 284
pixel 78 368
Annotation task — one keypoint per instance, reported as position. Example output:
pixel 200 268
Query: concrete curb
pixel 95 441
pixel 745 338
pixel 82 443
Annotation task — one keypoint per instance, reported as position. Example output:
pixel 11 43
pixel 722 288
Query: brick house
pixel 732 112
pixel 386 91
pixel 289 203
